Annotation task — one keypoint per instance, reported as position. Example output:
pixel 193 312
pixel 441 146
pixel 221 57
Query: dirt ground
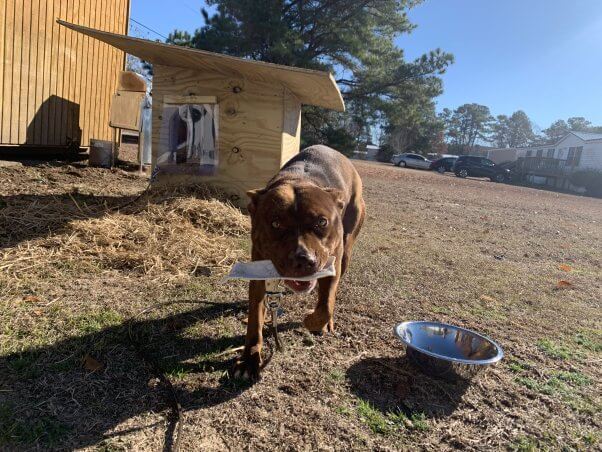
pixel 80 271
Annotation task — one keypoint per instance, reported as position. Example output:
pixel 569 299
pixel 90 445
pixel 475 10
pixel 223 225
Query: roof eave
pixel 326 94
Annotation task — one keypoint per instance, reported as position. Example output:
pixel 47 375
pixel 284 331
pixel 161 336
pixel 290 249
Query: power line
pixel 149 29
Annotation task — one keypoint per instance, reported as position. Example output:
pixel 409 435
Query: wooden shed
pixel 228 121
pixel 56 85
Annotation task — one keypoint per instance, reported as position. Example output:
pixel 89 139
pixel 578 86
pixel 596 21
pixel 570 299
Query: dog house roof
pixel 310 87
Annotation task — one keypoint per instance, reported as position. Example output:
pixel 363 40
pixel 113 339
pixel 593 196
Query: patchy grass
pixel 13 431
pixel 591 438
pixel 518 366
pixel 590 340
pixel 376 421
pixel 480 255
pixel 390 422
pixel 525 444
pixel 94 322
pixel 176 372
pixel 574 378
pixel 564 385
pixel 554 350
pixel 337 375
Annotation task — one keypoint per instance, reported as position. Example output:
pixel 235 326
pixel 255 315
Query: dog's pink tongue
pixel 297 285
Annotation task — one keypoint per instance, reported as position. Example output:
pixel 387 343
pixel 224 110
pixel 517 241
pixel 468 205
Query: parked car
pixel 443 164
pixel 410 160
pixel 468 165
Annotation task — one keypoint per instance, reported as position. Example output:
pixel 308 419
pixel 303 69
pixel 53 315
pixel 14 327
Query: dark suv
pixel 443 164
pixel 469 165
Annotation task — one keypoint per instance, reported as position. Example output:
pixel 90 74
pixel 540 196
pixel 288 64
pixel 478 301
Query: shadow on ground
pixel 394 384
pixel 49 400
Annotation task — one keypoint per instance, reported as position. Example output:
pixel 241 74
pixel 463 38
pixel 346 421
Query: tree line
pixel 389 99
pixel 384 92
pixel 472 124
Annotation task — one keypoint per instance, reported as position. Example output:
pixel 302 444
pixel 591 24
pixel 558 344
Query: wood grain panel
pixel 125 110
pixel 53 111
pixel 79 13
pixel 291 126
pixel 2 65
pixel 54 81
pixel 35 122
pixel 26 49
pixel 70 109
pixel 91 66
pixel 85 71
pixel 250 126
pixel 17 71
pixel 7 87
pixel 44 107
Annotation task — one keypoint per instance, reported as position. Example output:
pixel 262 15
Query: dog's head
pixel 297 227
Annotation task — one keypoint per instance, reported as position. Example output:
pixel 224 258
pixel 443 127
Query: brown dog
pixel 311 210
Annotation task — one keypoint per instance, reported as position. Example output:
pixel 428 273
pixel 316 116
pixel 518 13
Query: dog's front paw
pixel 247 366
pixel 318 322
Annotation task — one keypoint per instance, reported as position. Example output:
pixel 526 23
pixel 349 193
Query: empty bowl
pixel 447 351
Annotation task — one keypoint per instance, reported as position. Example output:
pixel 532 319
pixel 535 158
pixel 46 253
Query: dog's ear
pixel 254 197
pixel 338 197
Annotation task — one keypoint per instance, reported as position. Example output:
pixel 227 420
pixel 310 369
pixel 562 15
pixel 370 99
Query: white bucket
pixel 101 153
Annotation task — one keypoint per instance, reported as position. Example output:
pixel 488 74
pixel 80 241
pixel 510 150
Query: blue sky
pixel 540 56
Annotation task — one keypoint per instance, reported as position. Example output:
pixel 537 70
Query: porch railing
pixel 546 166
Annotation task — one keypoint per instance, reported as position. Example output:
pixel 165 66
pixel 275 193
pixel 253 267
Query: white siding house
pixel 553 164
pixel 366 152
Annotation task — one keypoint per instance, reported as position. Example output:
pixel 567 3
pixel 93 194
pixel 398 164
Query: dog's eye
pixel 322 222
pixel 275 224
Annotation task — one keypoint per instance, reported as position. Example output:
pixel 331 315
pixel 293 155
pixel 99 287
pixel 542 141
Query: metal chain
pixel 272 306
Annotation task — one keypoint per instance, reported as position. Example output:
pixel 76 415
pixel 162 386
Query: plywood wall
pixel 55 84
pixel 291 127
pixel 258 126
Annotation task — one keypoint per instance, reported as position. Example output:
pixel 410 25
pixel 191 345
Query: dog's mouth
pixel 300 286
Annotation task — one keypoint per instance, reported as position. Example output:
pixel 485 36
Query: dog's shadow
pixel 394 384
pixel 49 400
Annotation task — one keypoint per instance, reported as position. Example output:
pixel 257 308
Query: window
pixel 574 156
pixel 487 162
pixel 550 154
pixel 529 153
pixel 539 153
pixel 188 137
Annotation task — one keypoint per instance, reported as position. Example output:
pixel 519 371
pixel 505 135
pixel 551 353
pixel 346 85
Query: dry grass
pixel 165 232
pixel 482 255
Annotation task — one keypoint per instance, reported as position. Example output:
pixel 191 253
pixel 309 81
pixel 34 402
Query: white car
pixel 410 160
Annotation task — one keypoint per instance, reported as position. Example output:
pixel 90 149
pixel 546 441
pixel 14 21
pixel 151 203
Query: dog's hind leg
pixel 352 223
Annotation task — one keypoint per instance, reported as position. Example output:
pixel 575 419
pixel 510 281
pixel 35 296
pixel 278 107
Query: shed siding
pixel 54 81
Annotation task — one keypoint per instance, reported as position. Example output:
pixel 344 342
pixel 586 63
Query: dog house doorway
pixel 189 136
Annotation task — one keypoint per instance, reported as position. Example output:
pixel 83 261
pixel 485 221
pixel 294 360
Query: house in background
pixel 371 151
pixel 366 152
pixel 502 155
pixel 553 164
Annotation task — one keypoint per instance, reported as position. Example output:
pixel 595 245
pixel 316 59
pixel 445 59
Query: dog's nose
pixel 305 261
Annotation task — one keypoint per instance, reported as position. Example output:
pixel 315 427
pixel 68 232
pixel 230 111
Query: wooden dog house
pixel 224 120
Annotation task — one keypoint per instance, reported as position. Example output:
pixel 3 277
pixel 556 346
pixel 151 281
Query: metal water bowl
pixel 447 351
